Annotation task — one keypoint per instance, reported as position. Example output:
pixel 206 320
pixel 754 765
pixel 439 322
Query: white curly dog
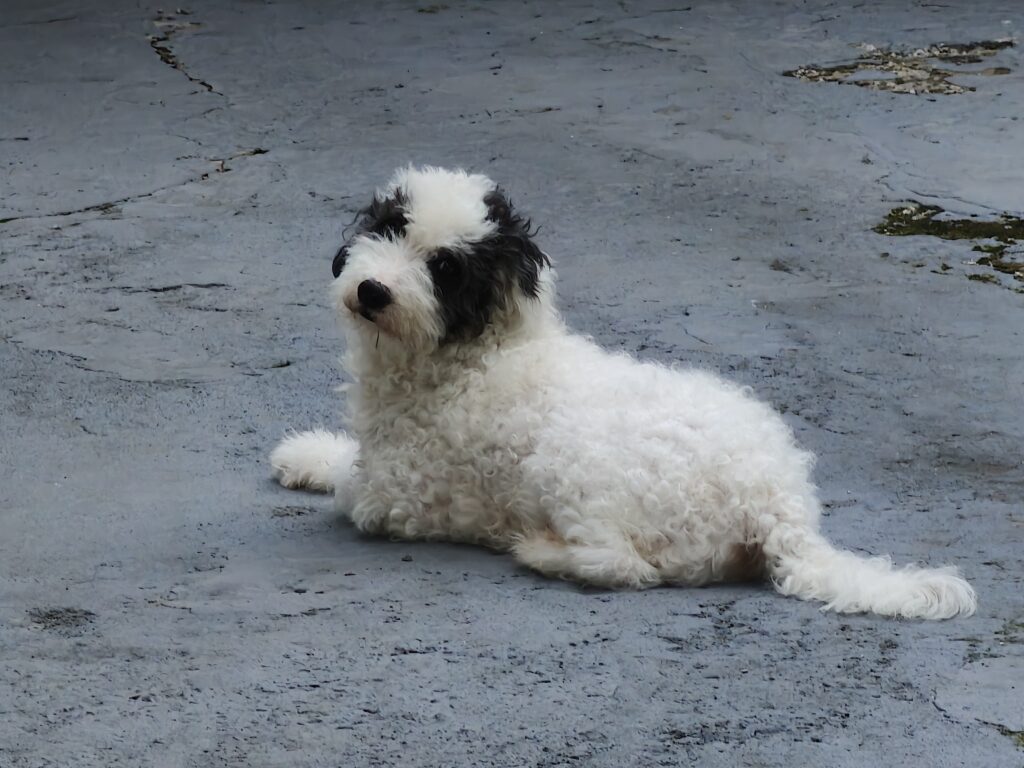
pixel 478 417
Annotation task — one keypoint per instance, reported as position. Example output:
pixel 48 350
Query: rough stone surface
pixel 979 691
pixel 173 188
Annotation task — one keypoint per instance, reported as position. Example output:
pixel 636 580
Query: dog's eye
pixel 445 268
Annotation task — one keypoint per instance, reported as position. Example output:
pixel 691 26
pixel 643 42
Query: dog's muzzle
pixel 373 297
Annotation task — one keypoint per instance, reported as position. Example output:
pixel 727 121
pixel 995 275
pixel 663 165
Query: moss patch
pixel 1011 632
pixel 913 71
pixel 60 618
pixel 920 219
pixel 1017 736
pixel 1002 235
pixel 1015 268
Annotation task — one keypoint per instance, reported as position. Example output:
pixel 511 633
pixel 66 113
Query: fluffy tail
pixel 318 460
pixel 803 563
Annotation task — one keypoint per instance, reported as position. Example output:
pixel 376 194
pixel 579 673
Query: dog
pixel 477 416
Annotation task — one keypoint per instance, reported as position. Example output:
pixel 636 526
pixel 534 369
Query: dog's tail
pixel 801 562
pixel 318 460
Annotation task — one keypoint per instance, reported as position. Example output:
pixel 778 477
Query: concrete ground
pixel 174 185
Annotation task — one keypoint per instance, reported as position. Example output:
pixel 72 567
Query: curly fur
pixel 509 431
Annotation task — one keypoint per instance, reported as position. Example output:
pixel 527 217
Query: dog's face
pixel 437 257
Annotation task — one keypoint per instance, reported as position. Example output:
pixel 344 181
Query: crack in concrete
pixel 622 42
pixel 101 207
pixel 160 43
pixel 168 288
pixel 38 22
pixel 111 204
pixel 167 57
pixel 1016 736
pixel 81 363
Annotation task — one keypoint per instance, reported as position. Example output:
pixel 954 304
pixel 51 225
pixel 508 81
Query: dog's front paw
pixel 284 472
pixel 305 460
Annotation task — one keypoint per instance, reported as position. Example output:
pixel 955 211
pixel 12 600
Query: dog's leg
pixel 803 563
pixel 317 460
pixel 611 563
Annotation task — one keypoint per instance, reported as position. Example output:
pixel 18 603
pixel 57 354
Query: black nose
pixel 373 295
pixel 339 260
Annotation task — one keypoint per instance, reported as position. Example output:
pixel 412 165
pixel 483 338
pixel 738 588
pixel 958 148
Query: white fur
pixel 318 460
pixel 585 464
pixel 447 208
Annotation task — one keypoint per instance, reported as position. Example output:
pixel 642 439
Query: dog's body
pixel 481 418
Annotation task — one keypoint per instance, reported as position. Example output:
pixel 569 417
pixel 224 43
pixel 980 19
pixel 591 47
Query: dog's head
pixel 437 257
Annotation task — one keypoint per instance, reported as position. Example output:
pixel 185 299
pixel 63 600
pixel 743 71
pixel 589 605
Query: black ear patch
pixel 516 240
pixel 339 260
pixel 472 282
pixel 384 216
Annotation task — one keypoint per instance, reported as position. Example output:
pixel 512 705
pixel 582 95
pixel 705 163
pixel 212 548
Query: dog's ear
pixel 339 260
pixel 514 241
pixel 384 216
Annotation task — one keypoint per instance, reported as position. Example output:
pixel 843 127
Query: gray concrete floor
pixel 173 188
